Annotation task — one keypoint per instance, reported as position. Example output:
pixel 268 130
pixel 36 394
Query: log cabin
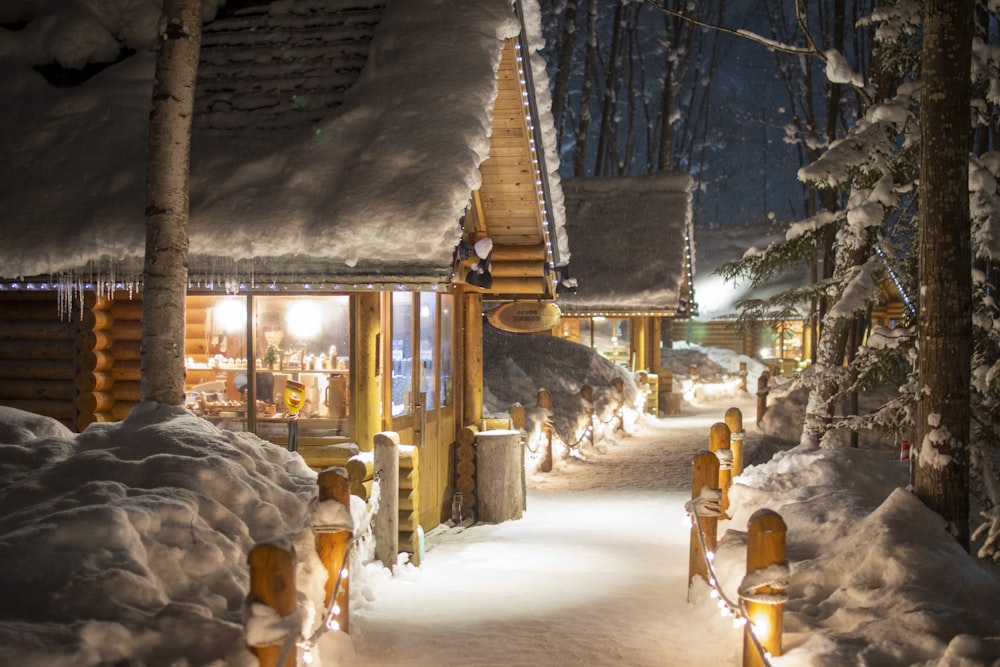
pixel 785 344
pixel 632 266
pixel 364 174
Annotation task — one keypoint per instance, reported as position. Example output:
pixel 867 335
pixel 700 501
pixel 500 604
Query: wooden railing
pixel 761 594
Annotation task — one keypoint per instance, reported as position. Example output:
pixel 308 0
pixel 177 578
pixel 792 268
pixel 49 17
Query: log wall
pixel 108 351
pixel 36 355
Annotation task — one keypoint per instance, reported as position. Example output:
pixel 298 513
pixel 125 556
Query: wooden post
pixel 762 390
pixel 499 471
pixel 472 367
pixel 705 476
pixel 272 583
pixel 365 380
pixel 734 420
pixel 719 442
pixel 545 401
pixel 386 527
pixel 743 376
pixel 619 386
pixel 335 484
pixel 587 394
pixel 465 469
pixel 765 546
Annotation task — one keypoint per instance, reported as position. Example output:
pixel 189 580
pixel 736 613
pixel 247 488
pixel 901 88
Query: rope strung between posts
pixel 707 504
pixel 576 445
pixel 333 609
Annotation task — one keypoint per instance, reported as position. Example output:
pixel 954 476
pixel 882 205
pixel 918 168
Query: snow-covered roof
pixel 628 237
pixel 364 170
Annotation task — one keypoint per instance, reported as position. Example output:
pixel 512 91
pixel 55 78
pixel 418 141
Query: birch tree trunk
pixel 944 334
pixel 165 272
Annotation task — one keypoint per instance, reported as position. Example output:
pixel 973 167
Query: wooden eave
pixel 510 205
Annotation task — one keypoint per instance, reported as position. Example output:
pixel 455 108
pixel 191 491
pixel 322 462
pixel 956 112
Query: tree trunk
pixel 587 89
pixel 165 272
pixel 560 90
pixel 941 471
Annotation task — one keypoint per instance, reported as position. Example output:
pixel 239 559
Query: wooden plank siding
pixel 507 207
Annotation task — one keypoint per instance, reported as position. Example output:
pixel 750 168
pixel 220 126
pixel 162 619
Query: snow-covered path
pixel 594 573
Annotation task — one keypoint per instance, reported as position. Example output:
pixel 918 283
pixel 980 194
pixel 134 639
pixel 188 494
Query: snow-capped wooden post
pixel 619 386
pixel 331 546
pixel 765 549
pixel 734 420
pixel 762 390
pixel 587 394
pixel 386 528
pixel 705 478
pixel 272 583
pixel 718 443
pixel 518 420
pixel 545 401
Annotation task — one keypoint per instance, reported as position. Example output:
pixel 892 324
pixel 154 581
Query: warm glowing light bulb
pixel 307 657
pixel 760 625
pixel 303 319
pixel 333 625
pixel 344 573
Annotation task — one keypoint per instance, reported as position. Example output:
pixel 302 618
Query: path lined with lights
pixel 594 573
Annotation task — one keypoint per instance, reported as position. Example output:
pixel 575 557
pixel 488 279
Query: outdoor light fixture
pixel 231 315
pixel 303 320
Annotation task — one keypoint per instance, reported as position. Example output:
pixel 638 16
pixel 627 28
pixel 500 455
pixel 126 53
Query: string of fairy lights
pixel 707 505
pixel 331 623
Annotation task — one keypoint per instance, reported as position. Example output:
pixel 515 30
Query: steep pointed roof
pixel 335 139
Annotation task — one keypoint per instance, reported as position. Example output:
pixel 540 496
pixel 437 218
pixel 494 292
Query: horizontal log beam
pixel 61 410
pixel 18 349
pixel 41 369
pixel 33 330
pixel 38 390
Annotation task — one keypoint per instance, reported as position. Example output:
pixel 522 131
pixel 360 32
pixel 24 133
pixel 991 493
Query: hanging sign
pixel 525 316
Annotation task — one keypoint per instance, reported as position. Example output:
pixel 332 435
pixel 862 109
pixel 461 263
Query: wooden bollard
pixel 545 401
pixel 743 376
pixel 272 583
pixel 705 475
pixel 762 390
pixel 718 443
pixel 518 417
pixel 587 394
pixel 619 386
pixel 734 420
pixel 765 546
pixel 331 546
pixel 386 528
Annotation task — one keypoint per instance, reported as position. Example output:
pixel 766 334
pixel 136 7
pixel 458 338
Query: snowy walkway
pixel 594 573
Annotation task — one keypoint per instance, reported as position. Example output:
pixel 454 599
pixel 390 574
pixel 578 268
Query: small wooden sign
pixel 525 316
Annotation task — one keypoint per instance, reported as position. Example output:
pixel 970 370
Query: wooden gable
pixel 510 207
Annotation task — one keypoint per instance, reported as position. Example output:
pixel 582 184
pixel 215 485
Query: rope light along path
pixel 764 587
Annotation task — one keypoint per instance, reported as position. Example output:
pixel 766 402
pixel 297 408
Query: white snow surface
pixel 127 544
